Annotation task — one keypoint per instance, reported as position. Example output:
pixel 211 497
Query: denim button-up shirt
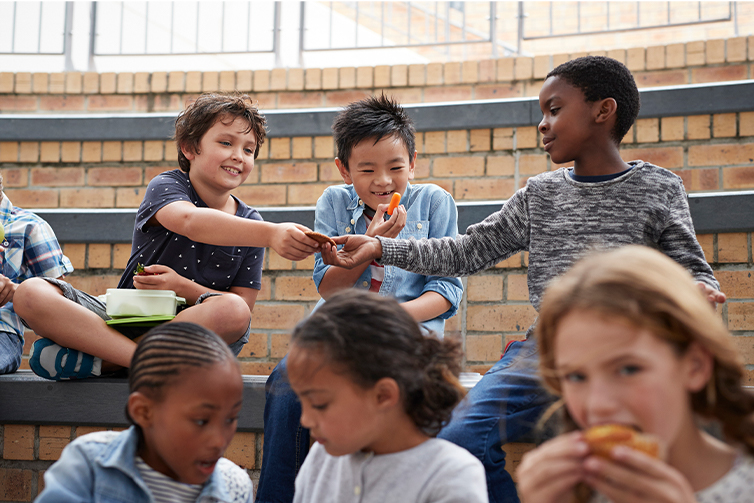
pixel 430 213
pixel 100 468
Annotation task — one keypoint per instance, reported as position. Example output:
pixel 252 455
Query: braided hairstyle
pixel 168 350
pixel 370 337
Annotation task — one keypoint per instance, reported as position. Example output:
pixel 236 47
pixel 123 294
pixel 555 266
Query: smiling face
pixel 568 124
pixel 189 428
pixel 378 170
pixel 613 372
pixel 341 415
pixel 224 158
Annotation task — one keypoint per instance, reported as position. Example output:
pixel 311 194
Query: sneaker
pixel 51 361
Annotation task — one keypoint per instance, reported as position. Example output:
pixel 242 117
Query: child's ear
pixel 411 166
pixel 387 393
pixel 188 152
pixel 140 408
pixel 606 109
pixel 344 173
pixel 699 364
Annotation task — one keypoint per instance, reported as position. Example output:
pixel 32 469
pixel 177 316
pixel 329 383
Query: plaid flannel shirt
pixel 30 249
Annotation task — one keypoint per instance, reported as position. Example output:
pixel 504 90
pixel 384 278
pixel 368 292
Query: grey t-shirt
pixel 435 471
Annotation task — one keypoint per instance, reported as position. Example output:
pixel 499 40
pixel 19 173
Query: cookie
pixel 320 238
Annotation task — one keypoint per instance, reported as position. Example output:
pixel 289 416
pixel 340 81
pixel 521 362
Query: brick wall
pixel 662 65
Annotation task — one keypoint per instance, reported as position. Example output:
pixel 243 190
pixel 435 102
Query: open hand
pixel 549 473
pixel 290 242
pixel 356 250
pixel 713 296
pixel 634 477
pixel 390 228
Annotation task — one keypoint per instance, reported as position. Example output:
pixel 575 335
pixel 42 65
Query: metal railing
pixel 593 18
pixel 170 28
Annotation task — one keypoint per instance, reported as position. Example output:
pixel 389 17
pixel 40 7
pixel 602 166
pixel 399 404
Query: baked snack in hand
pixel 319 238
pixel 602 438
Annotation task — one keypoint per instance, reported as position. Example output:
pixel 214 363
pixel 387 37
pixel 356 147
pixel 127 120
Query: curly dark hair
pixel 371 337
pixel 200 115
pixel 598 78
pixel 372 118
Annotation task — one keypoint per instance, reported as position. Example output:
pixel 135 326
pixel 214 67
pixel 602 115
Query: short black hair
pixel 374 117
pixel 598 78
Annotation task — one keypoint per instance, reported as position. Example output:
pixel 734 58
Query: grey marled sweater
pixel 559 220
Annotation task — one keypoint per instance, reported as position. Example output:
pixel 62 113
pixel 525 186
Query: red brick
pixel 518 288
pixel 434 142
pixel 452 93
pixel 718 73
pixel 49 151
pixel 132 151
pixel 699 179
pixel 15 177
pixel 66 103
pixel 18 442
pixel 153 150
pixel 301 99
pixel 724 125
pixel 110 103
pixel 498 91
pixel 57 177
pixel 18 103
pixel 457 141
pixel 736 284
pixel 121 254
pixel 8 151
pixel 532 164
pixel 91 151
pixel 723 154
pixel 289 173
pixel 257 368
pixel 508 318
pixel 738 178
pixel 746 124
pixel 745 346
pixel 480 189
pixel 279 345
pixel 740 316
pixel 483 348
pixel 666 157
pixel 76 252
pixel 114 176
pixel 296 288
pixel 28 151
pixel 242 450
pixel 277 316
pixel 299 194
pixel 262 195
pixel 342 98
pixel 98 256
pixel 485 288
pixel 732 247
pixel 480 140
pixel 661 78
pixel 51 448
pixel 87 198
pixel 672 128
pixel 15 484
pixel 33 198
pixel 698 127
pixel 647 130
pixel 256 347
pixel 526 137
pixel 129 197
pixel 501 165
pixel 458 166
pixel 707 242
pixel 502 138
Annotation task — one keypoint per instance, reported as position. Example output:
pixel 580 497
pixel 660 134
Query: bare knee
pixel 31 295
pixel 227 315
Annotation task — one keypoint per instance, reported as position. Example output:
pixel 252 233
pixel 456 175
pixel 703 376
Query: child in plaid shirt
pixel 28 249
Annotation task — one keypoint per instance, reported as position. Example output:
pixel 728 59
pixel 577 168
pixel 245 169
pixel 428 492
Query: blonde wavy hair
pixel 648 290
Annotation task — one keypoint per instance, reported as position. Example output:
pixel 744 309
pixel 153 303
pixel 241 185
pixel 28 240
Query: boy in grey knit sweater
pixel 588 105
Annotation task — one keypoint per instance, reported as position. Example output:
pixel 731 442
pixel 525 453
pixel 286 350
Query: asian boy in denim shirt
pixel 376 158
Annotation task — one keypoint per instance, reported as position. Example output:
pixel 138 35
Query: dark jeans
pixel 505 406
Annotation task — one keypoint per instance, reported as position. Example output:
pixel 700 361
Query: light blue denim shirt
pixel 100 468
pixel 430 213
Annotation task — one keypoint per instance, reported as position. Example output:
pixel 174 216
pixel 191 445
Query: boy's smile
pixel 224 159
pixel 377 170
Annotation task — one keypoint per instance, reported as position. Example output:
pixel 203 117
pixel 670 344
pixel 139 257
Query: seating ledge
pixel 29 399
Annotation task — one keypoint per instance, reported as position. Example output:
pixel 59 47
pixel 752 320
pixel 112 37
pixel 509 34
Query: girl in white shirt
pixel 374 392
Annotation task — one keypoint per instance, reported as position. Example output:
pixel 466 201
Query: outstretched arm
pixel 211 226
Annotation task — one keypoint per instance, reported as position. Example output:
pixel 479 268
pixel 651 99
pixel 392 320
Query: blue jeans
pixel 505 406
pixel 11 348
pixel 286 442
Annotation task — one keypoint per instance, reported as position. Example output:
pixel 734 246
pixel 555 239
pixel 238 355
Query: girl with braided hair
pixel 185 396
pixel 374 392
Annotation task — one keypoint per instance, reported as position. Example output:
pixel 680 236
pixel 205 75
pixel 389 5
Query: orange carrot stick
pixel 394 202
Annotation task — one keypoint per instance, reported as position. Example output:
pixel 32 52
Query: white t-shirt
pixel 736 486
pixel 435 471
